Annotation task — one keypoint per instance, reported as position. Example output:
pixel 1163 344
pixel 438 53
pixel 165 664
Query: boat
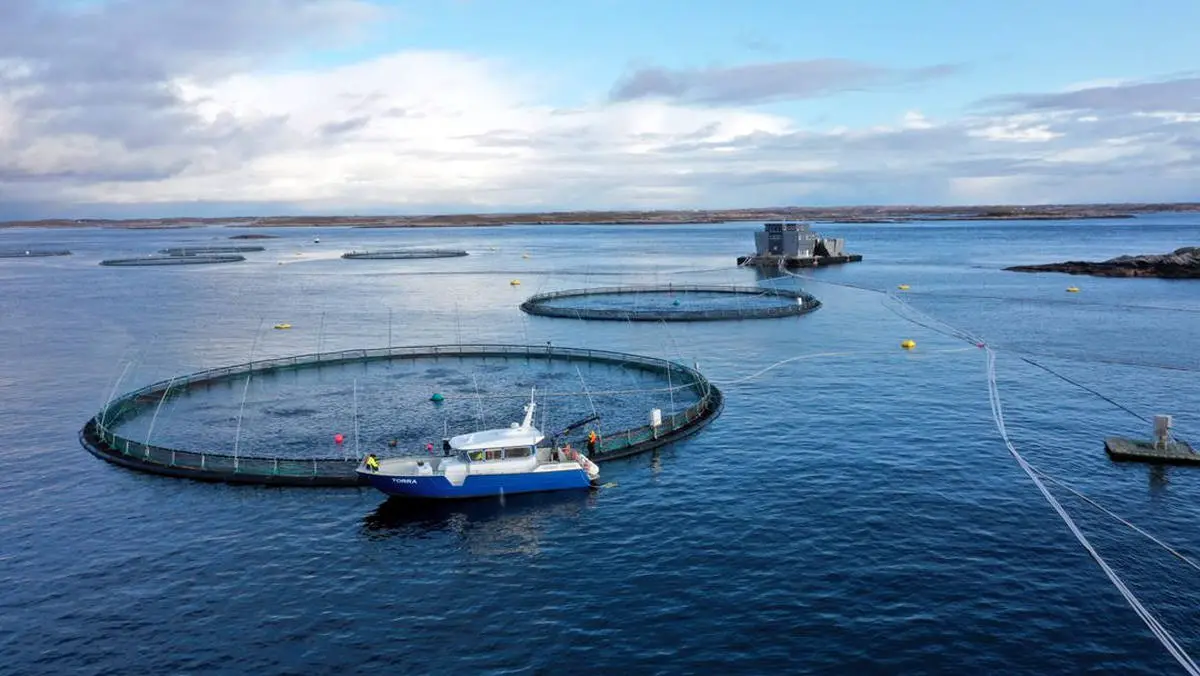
pixel 485 463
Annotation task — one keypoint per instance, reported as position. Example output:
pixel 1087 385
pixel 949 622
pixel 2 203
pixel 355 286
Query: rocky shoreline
pixel 1183 263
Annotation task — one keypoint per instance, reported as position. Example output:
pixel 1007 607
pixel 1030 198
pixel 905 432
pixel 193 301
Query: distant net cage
pixel 32 253
pixel 202 250
pixel 110 436
pixel 199 259
pixel 671 303
pixel 400 254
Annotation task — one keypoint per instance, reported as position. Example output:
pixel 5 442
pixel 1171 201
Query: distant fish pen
pixel 671 303
pixel 99 438
pixel 32 253
pixel 200 250
pixel 200 259
pixel 401 254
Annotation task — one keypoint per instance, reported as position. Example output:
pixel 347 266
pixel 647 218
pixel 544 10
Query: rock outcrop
pixel 1182 263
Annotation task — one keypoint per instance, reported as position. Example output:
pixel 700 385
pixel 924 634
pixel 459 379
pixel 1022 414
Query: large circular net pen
pixel 201 259
pixel 204 250
pixel 402 254
pixel 671 303
pixel 32 253
pixel 309 419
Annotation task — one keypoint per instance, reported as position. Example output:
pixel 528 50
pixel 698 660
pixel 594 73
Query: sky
pixel 150 108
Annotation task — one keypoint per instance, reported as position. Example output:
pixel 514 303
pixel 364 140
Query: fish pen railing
pixel 790 303
pixel 99 435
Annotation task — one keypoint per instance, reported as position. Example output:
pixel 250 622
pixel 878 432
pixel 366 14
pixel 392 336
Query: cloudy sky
pixel 114 108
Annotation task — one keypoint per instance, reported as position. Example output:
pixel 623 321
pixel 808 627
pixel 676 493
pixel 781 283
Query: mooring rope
pixel 1147 617
pixel 1160 632
pixel 1172 550
pixel 1081 386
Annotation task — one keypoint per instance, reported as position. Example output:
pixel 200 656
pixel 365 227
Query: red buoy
pixel 338 438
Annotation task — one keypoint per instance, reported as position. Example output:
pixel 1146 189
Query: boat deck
pixel 1176 453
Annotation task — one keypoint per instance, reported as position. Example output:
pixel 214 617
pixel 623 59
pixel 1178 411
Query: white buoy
pixel 656 417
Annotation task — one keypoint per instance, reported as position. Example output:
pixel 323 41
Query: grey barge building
pixel 795 245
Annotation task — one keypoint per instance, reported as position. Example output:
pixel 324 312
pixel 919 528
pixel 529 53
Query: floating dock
pixel 794 245
pixel 1175 452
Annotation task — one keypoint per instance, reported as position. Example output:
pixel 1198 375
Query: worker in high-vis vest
pixel 592 438
pixel 372 463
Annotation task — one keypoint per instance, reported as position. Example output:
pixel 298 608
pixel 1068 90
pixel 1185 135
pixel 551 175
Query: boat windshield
pixel 486 454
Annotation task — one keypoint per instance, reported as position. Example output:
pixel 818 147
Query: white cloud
pixel 193 117
pixel 428 127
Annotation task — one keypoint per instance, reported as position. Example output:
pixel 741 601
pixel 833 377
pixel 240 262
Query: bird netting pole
pixel 113 393
pixel 237 435
pixel 356 454
pixel 158 408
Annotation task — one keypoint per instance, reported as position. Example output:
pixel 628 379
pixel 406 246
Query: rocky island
pixel 1183 263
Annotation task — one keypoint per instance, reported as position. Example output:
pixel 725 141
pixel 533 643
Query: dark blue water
pixel 852 511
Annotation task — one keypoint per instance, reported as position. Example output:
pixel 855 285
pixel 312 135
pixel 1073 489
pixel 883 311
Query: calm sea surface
pixel 853 510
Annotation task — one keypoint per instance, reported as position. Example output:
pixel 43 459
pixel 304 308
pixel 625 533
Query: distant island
pixel 1182 263
pixel 860 214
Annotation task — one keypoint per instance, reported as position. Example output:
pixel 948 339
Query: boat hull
pixel 478 485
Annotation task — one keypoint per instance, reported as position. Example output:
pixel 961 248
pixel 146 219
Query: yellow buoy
pixel 903 287
pixel 1072 289
pixel 908 344
pixel 515 282
pixel 283 326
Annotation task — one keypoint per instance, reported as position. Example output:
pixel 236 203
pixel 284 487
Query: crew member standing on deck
pixel 592 437
pixel 372 463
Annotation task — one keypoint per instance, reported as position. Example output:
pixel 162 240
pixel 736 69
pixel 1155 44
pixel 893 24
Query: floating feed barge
pixel 795 245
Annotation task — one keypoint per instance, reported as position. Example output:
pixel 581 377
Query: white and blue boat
pixel 489 462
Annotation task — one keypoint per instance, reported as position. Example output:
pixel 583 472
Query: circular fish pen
pixel 209 259
pixel 671 303
pixel 307 420
pixel 33 253
pixel 202 250
pixel 402 254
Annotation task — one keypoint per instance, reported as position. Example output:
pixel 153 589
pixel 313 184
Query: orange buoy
pixel 338 438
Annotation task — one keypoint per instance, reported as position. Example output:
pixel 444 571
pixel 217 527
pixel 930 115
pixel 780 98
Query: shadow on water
pixel 516 514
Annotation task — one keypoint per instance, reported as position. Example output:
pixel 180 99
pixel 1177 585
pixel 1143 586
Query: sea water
pixel 852 510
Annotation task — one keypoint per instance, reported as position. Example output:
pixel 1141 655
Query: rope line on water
pixel 1164 637
pixel 1156 628
pixel 1081 386
pixel 1172 550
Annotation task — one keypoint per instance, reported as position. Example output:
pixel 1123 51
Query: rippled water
pixel 852 510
